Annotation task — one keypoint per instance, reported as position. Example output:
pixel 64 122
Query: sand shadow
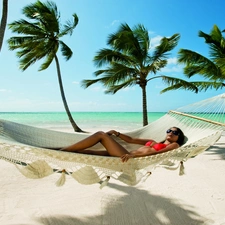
pixel 136 207
pixel 217 149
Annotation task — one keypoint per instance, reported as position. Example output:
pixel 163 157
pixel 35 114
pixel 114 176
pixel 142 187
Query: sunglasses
pixel 175 132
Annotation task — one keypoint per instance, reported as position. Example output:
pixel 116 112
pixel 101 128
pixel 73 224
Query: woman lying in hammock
pixel 174 139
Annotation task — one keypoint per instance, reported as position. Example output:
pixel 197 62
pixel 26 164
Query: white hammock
pixel 27 147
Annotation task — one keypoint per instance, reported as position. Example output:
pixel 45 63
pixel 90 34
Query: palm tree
pixel 41 39
pixel 212 68
pixel 130 62
pixel 3 21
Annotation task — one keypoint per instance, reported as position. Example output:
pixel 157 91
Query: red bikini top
pixel 156 146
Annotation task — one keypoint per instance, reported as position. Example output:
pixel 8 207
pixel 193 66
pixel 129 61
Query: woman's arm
pixel 129 139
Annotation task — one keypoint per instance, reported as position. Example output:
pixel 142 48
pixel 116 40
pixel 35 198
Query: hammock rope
pixel 29 148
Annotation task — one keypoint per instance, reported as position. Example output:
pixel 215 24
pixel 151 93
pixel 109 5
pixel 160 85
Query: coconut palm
pixel 212 68
pixel 130 61
pixel 40 38
pixel 3 21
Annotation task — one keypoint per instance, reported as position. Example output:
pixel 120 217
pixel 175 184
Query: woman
pixel 174 139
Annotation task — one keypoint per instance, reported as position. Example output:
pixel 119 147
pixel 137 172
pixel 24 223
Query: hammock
pixel 29 148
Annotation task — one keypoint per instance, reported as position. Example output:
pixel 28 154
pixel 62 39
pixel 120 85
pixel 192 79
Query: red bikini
pixel 156 146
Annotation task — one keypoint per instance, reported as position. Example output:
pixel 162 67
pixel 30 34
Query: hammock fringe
pixel 105 182
pixel 61 181
pixel 36 170
pixel 182 171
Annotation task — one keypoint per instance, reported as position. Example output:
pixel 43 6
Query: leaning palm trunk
pixel 74 125
pixel 3 21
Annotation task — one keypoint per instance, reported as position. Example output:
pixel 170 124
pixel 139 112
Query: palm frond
pixel 24 27
pixel 48 54
pixel 69 26
pixel 45 14
pixel 221 64
pixel 112 77
pixel 128 41
pixel 66 50
pixel 141 33
pixel 216 42
pixel 29 55
pixel 166 45
pixel 197 64
pixel 205 85
pixel 18 42
pixel 87 83
pixel 113 89
pixel 107 56
pixel 176 83
pixel 156 66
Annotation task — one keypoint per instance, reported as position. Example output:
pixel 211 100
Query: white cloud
pixel 172 60
pixel 5 90
pixel 76 82
pixel 155 41
pixel 128 89
pixel 114 22
pixel 177 69
pixel 151 32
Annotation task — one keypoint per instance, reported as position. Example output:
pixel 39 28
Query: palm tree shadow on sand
pixel 217 149
pixel 136 207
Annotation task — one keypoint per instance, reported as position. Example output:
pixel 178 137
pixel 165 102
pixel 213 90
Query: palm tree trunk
pixel 74 125
pixel 144 105
pixel 3 21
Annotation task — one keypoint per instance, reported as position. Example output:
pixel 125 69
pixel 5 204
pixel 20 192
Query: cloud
pixel 128 89
pixel 114 22
pixel 151 32
pixel 172 60
pixel 76 82
pixel 155 41
pixel 176 68
pixel 5 90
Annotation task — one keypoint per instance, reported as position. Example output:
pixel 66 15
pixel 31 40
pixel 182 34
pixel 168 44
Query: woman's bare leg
pixel 112 147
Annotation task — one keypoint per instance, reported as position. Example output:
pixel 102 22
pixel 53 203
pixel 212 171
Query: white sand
pixel 198 197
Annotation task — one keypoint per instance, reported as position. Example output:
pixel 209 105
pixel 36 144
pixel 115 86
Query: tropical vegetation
pixel 40 38
pixel 130 60
pixel 212 69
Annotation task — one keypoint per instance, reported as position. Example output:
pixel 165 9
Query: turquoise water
pixel 90 121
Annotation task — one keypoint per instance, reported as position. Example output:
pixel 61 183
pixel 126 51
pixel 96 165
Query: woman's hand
pixel 126 157
pixel 111 132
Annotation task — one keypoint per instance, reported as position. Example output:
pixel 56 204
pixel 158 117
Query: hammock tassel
pixel 35 170
pixel 146 176
pixel 105 182
pixel 86 175
pixel 181 172
pixel 61 181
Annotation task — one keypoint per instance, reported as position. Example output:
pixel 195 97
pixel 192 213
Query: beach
pixel 197 197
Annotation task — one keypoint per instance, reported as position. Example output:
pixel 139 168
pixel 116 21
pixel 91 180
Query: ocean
pixel 88 121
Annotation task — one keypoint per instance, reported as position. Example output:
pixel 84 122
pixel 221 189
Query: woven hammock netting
pixel 29 148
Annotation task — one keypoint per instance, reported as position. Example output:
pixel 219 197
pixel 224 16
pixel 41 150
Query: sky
pixel 38 91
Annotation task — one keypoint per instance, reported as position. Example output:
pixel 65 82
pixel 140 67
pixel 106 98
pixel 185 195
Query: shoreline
pixel 88 121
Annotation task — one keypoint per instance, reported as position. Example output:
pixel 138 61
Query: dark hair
pixel 181 137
